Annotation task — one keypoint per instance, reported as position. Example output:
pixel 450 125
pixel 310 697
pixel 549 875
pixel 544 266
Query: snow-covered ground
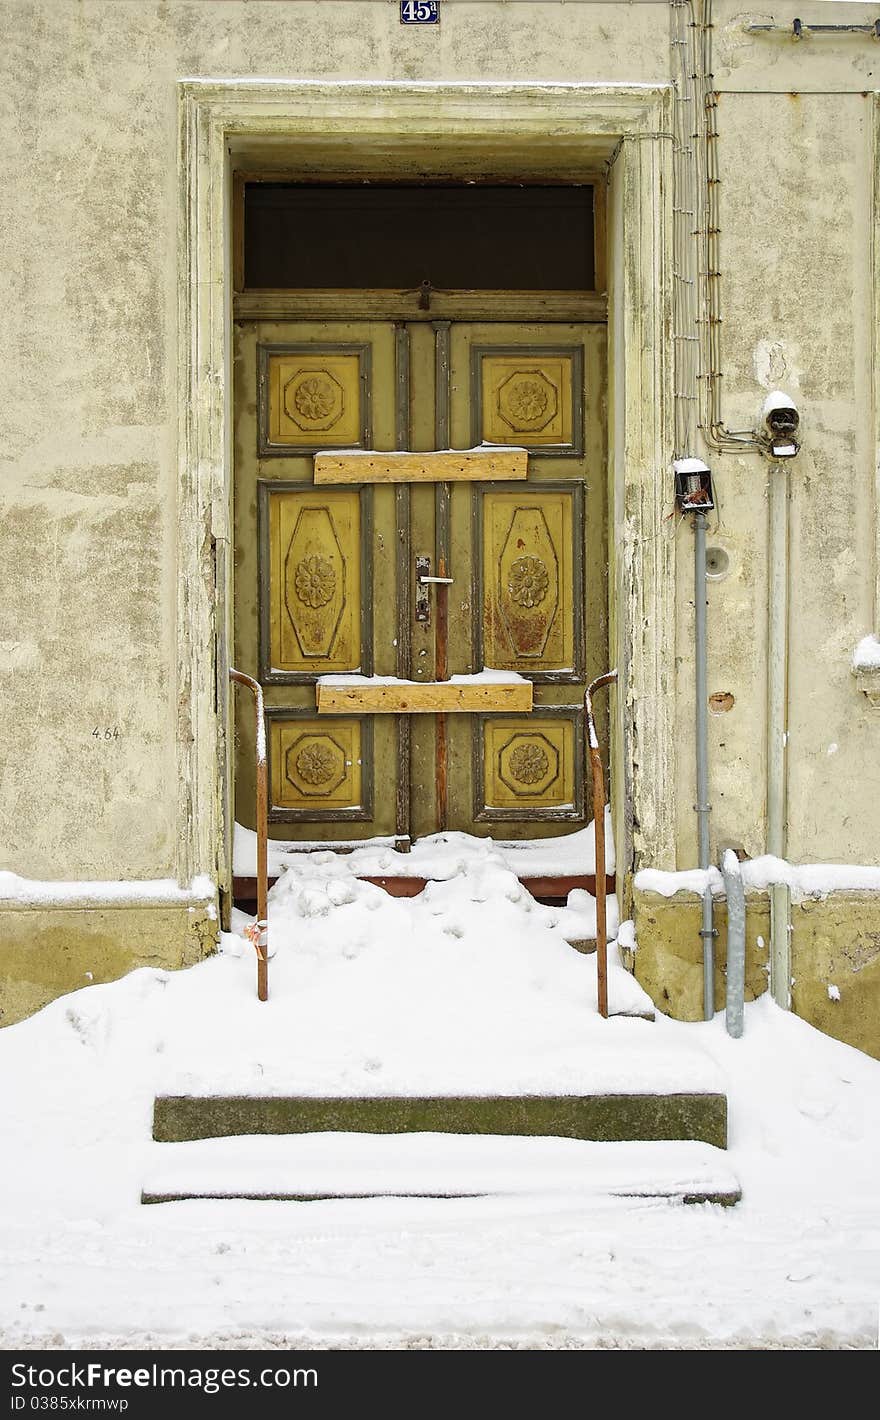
pixel 442 855
pixel 471 986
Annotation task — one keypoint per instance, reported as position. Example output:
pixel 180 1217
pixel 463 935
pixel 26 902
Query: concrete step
pixel 600 1116
pixel 310 1167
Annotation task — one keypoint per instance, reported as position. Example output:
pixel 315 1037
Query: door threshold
pixel 550 890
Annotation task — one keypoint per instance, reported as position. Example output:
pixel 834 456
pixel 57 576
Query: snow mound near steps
pixel 470 988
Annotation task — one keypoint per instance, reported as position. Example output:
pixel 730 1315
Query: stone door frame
pixel 581 128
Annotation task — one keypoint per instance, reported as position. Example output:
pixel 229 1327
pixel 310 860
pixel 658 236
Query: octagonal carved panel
pixel 527 401
pixel 527 768
pixel 315 765
pixel 314 400
pixel 313 397
pixel 532 396
pixel 319 767
pixel 528 764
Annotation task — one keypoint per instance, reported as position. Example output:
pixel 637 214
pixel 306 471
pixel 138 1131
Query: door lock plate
pixel 423 595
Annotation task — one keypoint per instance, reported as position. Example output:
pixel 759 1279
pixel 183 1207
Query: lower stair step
pixel 694 1116
pixel 309 1167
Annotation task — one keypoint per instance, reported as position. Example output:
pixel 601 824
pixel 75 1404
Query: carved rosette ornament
pixel 315 764
pixel 528 580
pixel 528 763
pixel 314 397
pixel 315 581
pixel 527 400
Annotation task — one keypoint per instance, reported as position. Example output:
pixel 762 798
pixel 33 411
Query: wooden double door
pixel 333 579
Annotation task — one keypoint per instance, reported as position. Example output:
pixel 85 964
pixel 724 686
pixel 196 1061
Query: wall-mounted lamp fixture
pixel 781 421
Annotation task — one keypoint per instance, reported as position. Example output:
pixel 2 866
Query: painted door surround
pixel 567 130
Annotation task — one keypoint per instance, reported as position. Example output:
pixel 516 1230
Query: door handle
pixel 424 582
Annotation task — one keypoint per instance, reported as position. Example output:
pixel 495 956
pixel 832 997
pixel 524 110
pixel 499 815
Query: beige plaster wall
pixel 47 952
pixel 88 418
pixel 87 400
pixel 835 957
pixel 799 313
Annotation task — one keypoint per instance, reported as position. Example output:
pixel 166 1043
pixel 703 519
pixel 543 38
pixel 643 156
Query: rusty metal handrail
pixel 610 677
pixel 258 932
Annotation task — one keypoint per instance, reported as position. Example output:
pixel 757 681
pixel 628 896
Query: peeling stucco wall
pixel 88 419
pixel 796 154
pixel 88 404
pixel 835 959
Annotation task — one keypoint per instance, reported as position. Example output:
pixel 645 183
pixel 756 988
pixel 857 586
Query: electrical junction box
pixel 693 486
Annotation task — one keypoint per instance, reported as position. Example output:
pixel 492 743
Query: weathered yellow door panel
pixel 529 563
pixel 313 394
pixel 530 764
pixel 317 765
pixel 314 592
pixel 330 585
pixel 531 582
pixel 531 399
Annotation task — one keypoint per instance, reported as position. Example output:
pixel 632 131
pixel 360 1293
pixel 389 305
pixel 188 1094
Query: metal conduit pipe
pixel 707 928
pixel 777 730
pixel 736 943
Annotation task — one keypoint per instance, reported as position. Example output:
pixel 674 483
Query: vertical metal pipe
pixel 259 931
pixel 599 836
pixel 736 942
pixel 777 729
pixel 707 930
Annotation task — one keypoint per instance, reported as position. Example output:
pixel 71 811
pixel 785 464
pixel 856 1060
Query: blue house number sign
pixel 420 12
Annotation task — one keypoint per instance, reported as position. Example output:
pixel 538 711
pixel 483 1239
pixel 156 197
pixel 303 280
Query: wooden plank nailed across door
pixel 455 466
pixel 429 698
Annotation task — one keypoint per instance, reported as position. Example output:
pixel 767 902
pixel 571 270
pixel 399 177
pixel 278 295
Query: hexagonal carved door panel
pixel 312 586
pixel 531 581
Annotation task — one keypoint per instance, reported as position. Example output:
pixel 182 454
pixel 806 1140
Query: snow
pixel 474 960
pixel 458 1164
pixel 487 676
pixel 866 656
pixel 404 455
pixel 31 892
pixel 626 936
pixel 470 986
pixel 777 399
pixel 806 880
pixel 439 855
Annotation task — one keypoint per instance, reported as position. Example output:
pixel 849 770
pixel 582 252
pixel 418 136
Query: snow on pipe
pixel 736 942
pixel 258 932
pixel 609 678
